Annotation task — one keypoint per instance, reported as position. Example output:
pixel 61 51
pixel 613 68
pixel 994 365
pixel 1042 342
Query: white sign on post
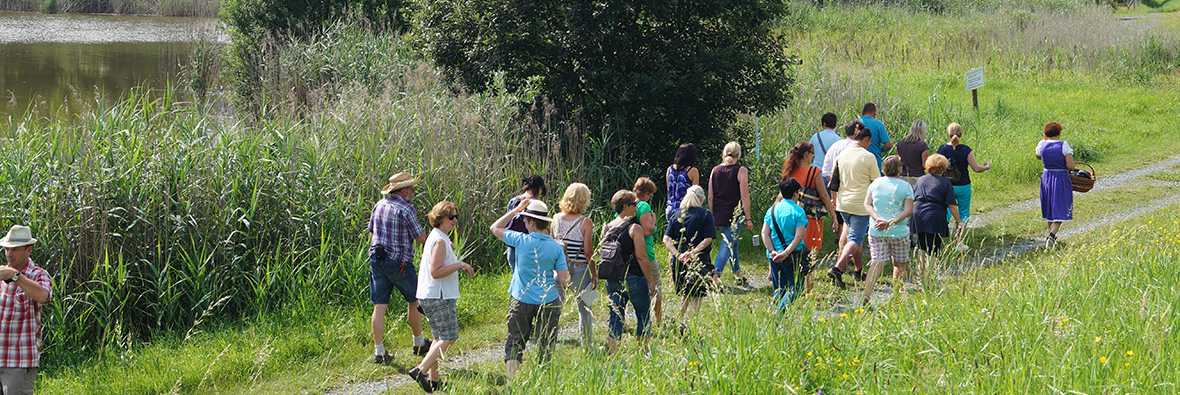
pixel 975 78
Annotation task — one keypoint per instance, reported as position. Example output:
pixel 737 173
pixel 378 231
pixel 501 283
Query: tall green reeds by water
pixel 154 214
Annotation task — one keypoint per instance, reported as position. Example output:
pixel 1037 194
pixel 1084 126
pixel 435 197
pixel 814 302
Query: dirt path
pixel 852 298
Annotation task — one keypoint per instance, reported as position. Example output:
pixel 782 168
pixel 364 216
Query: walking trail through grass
pixel 957 264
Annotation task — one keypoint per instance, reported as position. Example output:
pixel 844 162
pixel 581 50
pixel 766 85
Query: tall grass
pixel 152 212
pixel 1096 317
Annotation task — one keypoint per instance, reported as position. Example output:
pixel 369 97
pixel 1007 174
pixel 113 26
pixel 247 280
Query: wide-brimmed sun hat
pixel 18 236
pixel 399 181
pixel 538 210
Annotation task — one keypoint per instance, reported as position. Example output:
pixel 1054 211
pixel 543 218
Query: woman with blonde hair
pixel 729 198
pixel 575 232
pixel 960 156
pixel 689 240
pixel 913 151
pixel 438 289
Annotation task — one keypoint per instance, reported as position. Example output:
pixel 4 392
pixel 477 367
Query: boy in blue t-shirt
pixel 783 228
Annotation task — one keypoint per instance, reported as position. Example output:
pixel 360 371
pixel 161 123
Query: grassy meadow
pixel 195 253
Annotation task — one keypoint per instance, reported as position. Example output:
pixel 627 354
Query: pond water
pixel 66 63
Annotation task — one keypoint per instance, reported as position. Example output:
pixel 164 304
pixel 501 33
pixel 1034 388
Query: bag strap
pixel 811 178
pixel 822 148
pixel 778 231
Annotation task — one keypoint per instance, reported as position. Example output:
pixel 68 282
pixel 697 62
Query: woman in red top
pixel 798 166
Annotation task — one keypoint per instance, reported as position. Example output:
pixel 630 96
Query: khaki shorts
pixel 655 274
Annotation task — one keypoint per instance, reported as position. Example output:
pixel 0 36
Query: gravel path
pixel 851 298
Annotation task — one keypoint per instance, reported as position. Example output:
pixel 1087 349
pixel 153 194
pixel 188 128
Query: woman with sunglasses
pixel 798 166
pixel 639 286
pixel 438 290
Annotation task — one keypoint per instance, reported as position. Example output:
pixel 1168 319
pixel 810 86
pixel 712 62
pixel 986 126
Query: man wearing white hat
pixel 394 228
pixel 25 291
pixel 534 306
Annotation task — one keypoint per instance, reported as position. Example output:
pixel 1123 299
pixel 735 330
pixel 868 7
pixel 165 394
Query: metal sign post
pixel 974 82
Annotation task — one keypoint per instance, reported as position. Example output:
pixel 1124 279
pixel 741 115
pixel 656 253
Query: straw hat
pixel 537 210
pixel 399 181
pixel 18 236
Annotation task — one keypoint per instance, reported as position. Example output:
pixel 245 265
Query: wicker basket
pixel 1081 184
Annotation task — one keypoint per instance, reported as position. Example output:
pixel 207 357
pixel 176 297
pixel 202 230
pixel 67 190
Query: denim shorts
pixel 858 227
pixel 387 274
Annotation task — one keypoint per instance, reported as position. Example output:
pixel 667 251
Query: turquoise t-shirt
pixel 538 256
pixel 789 216
pixel 889 195
pixel 642 208
pixel 880 136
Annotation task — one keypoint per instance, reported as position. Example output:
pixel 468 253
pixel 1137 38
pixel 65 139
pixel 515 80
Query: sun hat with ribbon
pixel 18 236
pixel 399 181
pixel 538 210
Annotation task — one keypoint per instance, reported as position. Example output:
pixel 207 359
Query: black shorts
pixel 929 242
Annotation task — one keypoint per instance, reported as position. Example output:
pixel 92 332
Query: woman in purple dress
pixel 1056 190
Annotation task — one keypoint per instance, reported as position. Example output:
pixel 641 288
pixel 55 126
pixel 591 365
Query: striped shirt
pixel 394 225
pixel 20 321
pixel 570 234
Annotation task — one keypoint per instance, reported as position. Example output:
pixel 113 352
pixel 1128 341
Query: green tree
pixel 661 72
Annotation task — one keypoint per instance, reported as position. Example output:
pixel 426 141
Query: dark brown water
pixel 63 64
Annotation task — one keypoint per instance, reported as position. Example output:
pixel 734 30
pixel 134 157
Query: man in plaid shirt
pixel 25 291
pixel 394 228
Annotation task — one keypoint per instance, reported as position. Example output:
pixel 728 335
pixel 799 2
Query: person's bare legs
pixel 874 272
pixel 850 252
pixel 430 361
pixel 1054 227
pixel 899 273
pixel 378 323
pixel 414 317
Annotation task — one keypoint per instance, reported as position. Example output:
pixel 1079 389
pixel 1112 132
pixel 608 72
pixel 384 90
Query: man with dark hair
pixel 858 169
pixel 881 142
pixel 394 228
pixel 783 228
pixel 824 139
pixel 25 291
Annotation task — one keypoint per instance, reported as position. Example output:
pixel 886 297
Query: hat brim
pixel 534 216
pixel 393 187
pixel 9 244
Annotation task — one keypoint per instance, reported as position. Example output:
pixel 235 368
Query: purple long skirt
pixel 1056 196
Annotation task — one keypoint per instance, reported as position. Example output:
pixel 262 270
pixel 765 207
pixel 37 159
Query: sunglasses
pixel 453 217
pixel 632 204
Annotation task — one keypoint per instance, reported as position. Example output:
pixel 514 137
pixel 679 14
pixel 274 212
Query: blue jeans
pixel 963 196
pixel 635 291
pixel 728 252
pixel 787 278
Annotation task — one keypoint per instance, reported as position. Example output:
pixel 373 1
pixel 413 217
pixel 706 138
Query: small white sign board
pixel 975 78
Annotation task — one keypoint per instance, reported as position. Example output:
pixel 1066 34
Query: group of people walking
pixel 896 203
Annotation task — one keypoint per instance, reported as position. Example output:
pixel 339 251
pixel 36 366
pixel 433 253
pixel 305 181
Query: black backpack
pixel 612 265
pixel 952 173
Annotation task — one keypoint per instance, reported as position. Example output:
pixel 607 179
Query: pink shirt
pixel 20 321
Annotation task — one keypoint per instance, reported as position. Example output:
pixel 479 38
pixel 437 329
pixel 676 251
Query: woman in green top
pixel 644 189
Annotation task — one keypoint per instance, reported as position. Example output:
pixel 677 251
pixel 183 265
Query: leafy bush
pixel 659 72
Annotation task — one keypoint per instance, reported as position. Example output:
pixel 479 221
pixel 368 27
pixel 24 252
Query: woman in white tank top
pixel 575 232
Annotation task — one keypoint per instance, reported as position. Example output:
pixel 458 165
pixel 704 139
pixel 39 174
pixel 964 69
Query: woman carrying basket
pixel 1056 189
